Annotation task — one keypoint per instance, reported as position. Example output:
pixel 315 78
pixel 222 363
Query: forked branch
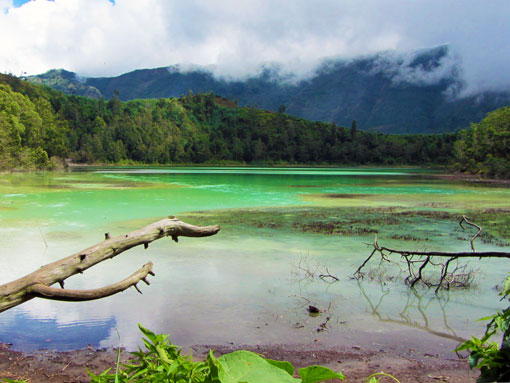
pixel 38 283
pixel 42 291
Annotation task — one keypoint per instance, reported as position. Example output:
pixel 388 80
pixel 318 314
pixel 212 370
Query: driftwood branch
pixel 38 283
pixel 417 261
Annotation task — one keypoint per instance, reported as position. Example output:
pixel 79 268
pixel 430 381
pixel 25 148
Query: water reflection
pixel 415 311
pixel 27 333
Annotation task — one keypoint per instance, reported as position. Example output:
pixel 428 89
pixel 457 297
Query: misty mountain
pixel 415 93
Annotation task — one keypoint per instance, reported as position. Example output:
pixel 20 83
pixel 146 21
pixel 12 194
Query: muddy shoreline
pixel 355 362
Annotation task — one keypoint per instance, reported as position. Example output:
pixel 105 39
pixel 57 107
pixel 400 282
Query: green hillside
pixel 67 82
pixel 38 123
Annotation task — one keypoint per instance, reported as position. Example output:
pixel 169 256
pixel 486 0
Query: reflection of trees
pixel 416 300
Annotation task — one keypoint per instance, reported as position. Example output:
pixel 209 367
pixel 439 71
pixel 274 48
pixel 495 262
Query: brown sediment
pixel 333 227
pixel 341 195
pixel 307 186
pixel 470 178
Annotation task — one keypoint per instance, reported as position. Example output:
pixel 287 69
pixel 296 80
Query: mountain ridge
pixel 404 95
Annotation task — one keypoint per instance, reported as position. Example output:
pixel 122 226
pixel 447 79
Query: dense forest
pixel 39 125
pixel 484 148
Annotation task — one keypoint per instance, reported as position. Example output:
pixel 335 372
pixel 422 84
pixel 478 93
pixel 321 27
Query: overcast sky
pixel 105 38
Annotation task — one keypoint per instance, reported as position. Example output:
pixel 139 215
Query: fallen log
pixel 38 283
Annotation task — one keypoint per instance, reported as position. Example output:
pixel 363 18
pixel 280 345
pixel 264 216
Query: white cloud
pixel 97 38
pixel 5 5
pixel 407 68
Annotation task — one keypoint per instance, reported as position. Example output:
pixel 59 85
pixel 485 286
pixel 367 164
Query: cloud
pixel 431 66
pixel 98 38
pixel 5 5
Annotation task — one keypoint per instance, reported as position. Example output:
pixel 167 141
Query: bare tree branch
pixel 422 259
pixel 37 284
pixel 466 219
pixel 464 254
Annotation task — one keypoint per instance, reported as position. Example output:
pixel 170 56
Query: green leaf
pixel 148 333
pixel 374 377
pixel 246 366
pixel 313 374
pixel 283 364
pixel 473 360
pixel 465 346
pixel 141 372
pixel 163 355
pixel 486 318
pixel 213 364
pixel 506 287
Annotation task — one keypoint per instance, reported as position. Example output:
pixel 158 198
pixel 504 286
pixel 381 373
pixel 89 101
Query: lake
pixel 253 281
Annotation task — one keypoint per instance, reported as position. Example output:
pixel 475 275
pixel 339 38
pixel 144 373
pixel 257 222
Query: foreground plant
pixel 163 362
pixel 491 358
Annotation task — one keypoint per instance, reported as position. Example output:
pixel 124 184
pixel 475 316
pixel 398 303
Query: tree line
pixel 38 125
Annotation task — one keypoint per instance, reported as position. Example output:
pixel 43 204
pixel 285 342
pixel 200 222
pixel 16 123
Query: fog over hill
pixel 418 92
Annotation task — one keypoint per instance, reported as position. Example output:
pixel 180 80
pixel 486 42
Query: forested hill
pixel 37 123
pixel 381 94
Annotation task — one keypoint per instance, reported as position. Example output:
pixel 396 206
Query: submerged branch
pixel 466 220
pixel 446 278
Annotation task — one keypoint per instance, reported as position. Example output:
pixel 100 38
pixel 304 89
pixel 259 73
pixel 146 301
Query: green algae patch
pixel 495 222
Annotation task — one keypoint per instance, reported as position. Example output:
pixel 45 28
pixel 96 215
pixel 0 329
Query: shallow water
pixel 248 284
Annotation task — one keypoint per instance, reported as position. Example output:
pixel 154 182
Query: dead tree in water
pixel 417 261
pixel 38 284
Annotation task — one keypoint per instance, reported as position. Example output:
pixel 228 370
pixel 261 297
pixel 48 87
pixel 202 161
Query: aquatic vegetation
pixel 398 223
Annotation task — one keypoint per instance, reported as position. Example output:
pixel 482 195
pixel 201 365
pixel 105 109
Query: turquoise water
pixel 246 284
